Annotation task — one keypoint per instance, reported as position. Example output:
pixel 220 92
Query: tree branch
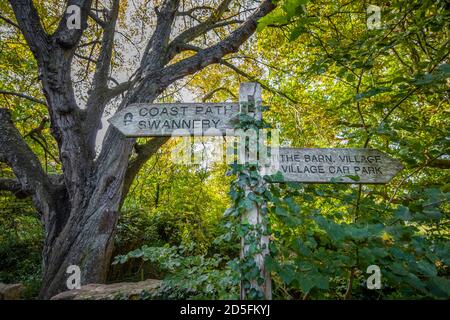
pixel 153 58
pixel 104 60
pixel 439 163
pixel 214 53
pixel 14 186
pixel 189 12
pixel 99 96
pixel 69 38
pixel 195 32
pixel 9 21
pixel 89 59
pixel 24 96
pixel 119 89
pixel 254 79
pixel 30 24
pixel 97 19
pixel 200 29
pixel 210 94
pixel 26 166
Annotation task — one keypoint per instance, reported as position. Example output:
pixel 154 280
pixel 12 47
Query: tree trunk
pixel 81 230
pixel 86 243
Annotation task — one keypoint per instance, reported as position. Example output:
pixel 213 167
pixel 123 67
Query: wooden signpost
pixel 251 93
pixel 343 165
pixel 176 119
pixel 338 165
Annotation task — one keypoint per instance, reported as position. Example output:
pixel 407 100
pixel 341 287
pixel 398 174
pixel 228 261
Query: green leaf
pixel 351 77
pixel 287 274
pixel 228 212
pixel 426 268
pixel 402 213
pixel 297 31
pixel 291 7
pixel 306 282
pixel 274 178
pixel 372 92
pixel 280 211
pixel 353 177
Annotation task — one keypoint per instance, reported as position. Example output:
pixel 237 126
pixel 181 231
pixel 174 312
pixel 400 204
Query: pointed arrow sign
pixel 335 165
pixel 176 119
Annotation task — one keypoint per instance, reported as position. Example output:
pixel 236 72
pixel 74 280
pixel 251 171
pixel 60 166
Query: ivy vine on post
pixel 249 203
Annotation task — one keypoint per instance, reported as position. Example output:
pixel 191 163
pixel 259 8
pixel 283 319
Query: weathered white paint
pixel 176 119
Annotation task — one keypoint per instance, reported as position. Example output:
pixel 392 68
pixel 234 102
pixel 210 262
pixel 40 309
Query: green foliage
pixel 20 245
pixel 317 248
pixel 384 88
pixel 188 275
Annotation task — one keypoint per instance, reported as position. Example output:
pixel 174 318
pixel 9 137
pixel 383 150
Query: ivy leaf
pixel 402 213
pixel 274 178
pixel 306 282
pixel 280 211
pixel 439 287
pixel 270 263
pixel 426 268
pixel 287 274
pixel 229 212
pixel 353 177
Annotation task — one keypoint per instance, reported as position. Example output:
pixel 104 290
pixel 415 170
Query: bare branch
pixel 119 89
pixel 190 34
pixel 95 42
pixel 192 10
pixel 104 59
pixel 89 59
pixel 100 94
pixel 24 96
pixel 14 186
pixel 38 129
pixel 97 19
pixel 255 79
pixel 153 58
pixel 200 29
pixel 210 94
pixel 9 21
pixel 30 24
pixel 214 53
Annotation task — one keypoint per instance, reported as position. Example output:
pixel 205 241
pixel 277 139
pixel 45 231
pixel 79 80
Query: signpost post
pixel 330 165
pixel 250 94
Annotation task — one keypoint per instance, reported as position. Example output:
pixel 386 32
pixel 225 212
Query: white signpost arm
pixel 250 96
